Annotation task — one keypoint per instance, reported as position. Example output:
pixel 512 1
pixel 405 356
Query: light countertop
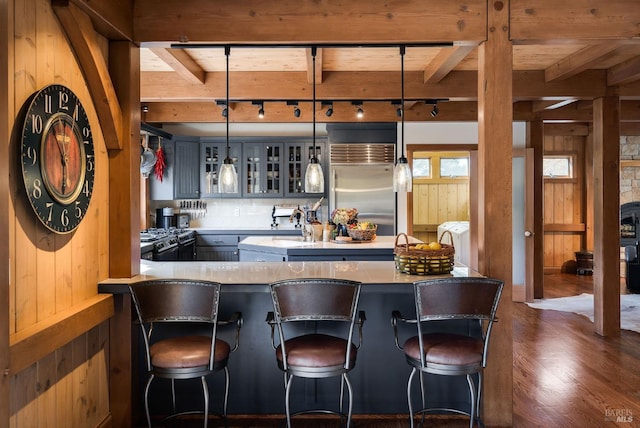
pixel 255 277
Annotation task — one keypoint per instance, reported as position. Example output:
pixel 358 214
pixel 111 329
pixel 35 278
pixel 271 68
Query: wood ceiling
pixel 564 56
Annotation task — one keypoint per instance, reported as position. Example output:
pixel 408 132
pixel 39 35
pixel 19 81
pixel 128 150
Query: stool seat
pixel 316 350
pixel 187 352
pixel 446 349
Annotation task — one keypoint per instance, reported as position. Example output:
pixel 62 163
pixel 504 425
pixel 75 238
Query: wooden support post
pixel 124 181
pixel 606 207
pixel 495 144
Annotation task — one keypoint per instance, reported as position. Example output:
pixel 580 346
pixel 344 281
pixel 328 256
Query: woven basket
pixel 412 261
pixel 362 234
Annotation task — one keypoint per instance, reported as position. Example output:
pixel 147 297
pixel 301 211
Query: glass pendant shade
pixel 314 178
pixel 402 179
pixel 228 180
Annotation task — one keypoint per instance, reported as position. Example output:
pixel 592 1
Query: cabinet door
pixel 261 170
pixel 298 155
pixel 212 156
pixel 187 181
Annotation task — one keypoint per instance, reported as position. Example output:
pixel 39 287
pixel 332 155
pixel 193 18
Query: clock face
pixel 58 163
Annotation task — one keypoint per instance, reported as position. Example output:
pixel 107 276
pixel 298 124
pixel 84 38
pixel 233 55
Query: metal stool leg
pixel 286 401
pixel 205 391
pixel 472 390
pixel 346 379
pixel 478 408
pixel 226 392
pixel 146 400
pixel 413 372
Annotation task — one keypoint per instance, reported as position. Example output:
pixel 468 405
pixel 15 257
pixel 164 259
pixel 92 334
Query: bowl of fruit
pixel 362 231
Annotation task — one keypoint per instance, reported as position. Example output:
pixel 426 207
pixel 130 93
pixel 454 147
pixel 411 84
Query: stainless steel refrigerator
pixel 361 177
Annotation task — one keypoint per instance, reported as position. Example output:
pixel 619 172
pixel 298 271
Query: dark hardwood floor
pixel 564 375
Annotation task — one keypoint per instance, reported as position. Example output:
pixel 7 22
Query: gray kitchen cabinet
pixel 163 190
pixel 212 155
pixel 297 155
pixel 186 184
pixel 261 169
pixel 217 248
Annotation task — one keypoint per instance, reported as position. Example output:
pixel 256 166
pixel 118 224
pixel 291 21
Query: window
pixel 454 167
pixel 422 167
pixel 557 166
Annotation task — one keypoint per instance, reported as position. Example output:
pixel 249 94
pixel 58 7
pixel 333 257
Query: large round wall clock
pixel 58 163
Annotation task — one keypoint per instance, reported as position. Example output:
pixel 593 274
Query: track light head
pixel 296 111
pixel 399 112
pixel 225 112
pixel 145 108
pixel 329 112
pixel 360 113
pixel 435 110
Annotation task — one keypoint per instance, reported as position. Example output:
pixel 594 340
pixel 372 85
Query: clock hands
pixel 63 145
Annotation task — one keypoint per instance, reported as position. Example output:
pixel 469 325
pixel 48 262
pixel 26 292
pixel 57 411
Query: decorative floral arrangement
pixel 344 216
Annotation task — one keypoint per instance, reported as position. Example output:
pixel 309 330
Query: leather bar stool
pixel 304 348
pixel 163 303
pixel 433 351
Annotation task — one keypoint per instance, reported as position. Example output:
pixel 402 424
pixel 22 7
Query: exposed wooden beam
pixel 537 106
pixel 81 34
pixel 182 63
pixel 626 72
pixel 577 129
pixel 580 61
pixel 309 21
pixel 445 61
pixel 540 20
pixel 318 69
pixel 459 85
pixel 111 18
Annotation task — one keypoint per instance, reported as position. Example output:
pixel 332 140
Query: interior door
pixel 523 243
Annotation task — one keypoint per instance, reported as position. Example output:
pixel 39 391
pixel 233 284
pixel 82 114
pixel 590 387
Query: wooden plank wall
pixel 436 203
pixel 564 214
pixel 53 273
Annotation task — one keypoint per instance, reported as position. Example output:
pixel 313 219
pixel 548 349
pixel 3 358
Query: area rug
pixel 583 305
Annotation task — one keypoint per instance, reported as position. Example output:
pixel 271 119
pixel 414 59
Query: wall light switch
pixel 236 212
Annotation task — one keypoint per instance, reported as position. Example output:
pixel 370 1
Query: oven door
pixel 169 254
pixel 187 250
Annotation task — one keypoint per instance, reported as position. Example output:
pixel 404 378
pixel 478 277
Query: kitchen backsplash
pixel 236 213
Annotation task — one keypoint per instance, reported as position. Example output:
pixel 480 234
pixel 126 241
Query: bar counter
pixel 381 372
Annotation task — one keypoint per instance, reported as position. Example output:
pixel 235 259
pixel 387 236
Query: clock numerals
pixel 37 189
pixel 48 109
pixel 32 155
pixel 78 210
pixel 63 101
pixel 36 124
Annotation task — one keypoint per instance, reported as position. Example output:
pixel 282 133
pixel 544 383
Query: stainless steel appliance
pixel 182 220
pixel 170 244
pixel 361 177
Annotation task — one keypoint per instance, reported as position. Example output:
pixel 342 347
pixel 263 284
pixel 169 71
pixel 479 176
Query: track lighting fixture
pixel 260 105
pixel 359 109
pixel 402 179
pixel 145 108
pixel 399 112
pixel 435 110
pixel 329 111
pixel 296 109
pixel 314 177
pixel 228 180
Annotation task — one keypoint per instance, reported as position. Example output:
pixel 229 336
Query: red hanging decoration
pixel 160 162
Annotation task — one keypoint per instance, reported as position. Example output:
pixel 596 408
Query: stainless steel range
pixel 169 244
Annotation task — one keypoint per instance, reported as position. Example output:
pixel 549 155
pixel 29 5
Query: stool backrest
pixel 467 298
pixel 315 299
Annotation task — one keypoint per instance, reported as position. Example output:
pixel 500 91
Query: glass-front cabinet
pixel 212 155
pixel 261 169
pixel 298 154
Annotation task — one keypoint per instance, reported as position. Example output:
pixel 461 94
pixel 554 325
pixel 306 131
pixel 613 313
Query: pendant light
pixel 228 180
pixel 314 178
pixel 402 180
